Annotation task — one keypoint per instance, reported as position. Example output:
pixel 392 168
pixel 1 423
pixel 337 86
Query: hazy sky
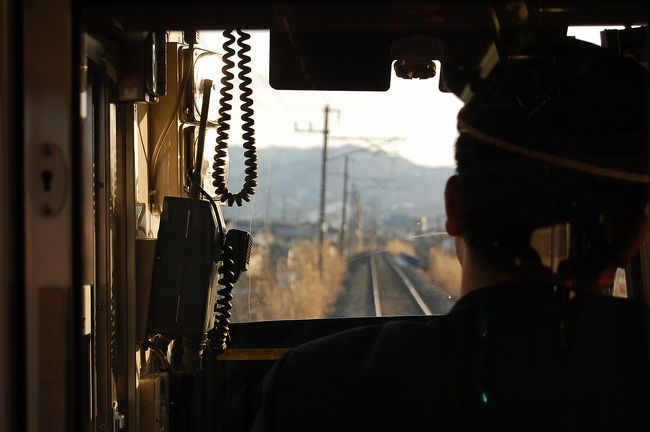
pixel 413 110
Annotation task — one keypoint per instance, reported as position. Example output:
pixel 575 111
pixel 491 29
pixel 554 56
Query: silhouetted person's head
pixel 558 137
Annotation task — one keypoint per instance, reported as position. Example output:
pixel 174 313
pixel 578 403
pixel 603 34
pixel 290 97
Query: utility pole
pixel 345 203
pixel 322 223
pixel 352 235
pixel 356 231
pixel 376 142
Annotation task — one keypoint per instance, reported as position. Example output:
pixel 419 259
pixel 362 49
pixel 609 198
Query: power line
pixel 375 142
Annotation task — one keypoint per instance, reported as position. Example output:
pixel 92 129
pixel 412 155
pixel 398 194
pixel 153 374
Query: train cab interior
pixel 192 188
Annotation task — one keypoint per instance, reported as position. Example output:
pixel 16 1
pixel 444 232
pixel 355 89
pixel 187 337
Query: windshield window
pixel 383 248
pixel 367 237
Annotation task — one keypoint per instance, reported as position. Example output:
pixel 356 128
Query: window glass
pixel 590 33
pixel 620 284
pixel 384 250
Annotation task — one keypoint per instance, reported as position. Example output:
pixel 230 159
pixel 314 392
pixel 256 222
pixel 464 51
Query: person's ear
pixel 453 201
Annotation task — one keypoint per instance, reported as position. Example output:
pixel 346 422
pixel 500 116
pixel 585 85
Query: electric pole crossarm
pixel 381 140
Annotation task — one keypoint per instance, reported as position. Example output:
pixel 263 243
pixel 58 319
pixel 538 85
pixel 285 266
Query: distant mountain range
pixel 390 187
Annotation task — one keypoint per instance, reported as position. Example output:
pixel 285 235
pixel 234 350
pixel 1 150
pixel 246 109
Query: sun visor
pixel 322 47
pixel 322 60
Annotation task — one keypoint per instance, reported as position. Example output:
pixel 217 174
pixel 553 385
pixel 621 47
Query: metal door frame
pixel 12 415
pixel 52 303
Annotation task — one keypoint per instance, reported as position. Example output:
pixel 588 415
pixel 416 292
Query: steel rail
pixel 409 285
pixel 375 285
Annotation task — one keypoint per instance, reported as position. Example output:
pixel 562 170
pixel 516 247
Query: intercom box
pixel 183 289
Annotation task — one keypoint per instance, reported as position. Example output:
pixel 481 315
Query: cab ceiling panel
pixel 168 14
pixel 347 45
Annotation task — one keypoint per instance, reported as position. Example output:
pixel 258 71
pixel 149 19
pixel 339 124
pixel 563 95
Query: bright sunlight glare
pixel 414 111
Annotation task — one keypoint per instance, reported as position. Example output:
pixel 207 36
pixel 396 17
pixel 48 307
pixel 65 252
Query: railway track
pixel 393 293
pixel 377 285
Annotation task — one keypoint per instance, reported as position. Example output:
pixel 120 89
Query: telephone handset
pixel 194 250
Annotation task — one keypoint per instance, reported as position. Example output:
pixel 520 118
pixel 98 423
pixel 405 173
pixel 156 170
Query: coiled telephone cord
pixel 219 336
pixel 250 154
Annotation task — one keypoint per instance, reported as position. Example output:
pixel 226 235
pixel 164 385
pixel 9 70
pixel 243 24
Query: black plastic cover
pixel 184 280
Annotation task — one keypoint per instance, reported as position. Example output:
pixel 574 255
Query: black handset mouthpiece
pixel 242 245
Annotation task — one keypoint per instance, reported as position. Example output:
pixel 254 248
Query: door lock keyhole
pixel 48 181
pixel 46 178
